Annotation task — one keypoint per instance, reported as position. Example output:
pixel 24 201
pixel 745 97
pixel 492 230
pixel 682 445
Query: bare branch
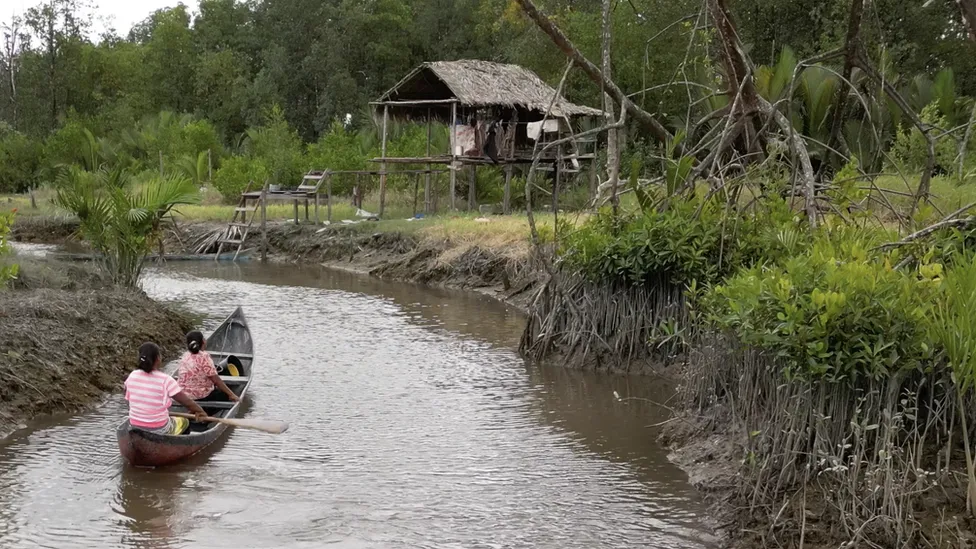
pixel 644 118
pixel 535 147
pixel 950 220
pixel 850 55
pixel 924 184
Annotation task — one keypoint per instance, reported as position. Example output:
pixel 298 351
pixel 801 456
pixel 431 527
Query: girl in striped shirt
pixel 151 392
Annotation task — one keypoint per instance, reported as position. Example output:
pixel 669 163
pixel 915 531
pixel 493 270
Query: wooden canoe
pixel 232 348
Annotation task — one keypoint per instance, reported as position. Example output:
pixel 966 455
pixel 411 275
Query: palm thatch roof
pixel 477 84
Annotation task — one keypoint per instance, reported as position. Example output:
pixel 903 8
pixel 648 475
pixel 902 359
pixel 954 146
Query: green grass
pixel 499 231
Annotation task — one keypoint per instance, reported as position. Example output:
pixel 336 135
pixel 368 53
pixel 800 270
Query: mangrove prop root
pixel 870 457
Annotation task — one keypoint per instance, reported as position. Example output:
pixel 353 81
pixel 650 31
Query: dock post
pixel 329 197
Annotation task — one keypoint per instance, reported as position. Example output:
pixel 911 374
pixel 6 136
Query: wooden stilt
pixel 386 114
pixel 329 197
pixel 416 193
pixel 264 222
pixel 555 194
pixel 473 188
pixel 507 198
pixel 453 189
pixel 427 176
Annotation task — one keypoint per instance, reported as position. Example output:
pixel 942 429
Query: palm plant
pixel 122 223
pixel 194 169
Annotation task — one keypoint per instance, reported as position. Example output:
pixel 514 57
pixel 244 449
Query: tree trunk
pixel 742 87
pixel 644 118
pixel 613 151
pixel 10 51
pixel 968 9
pixel 52 54
pixel 851 45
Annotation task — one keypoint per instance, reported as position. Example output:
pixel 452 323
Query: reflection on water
pixel 414 424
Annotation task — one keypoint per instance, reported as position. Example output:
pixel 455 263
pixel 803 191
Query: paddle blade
pixel 267 425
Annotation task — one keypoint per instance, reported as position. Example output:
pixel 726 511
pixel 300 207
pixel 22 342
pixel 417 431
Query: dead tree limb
pixel 807 181
pixel 738 68
pixel 644 118
pixel 851 45
pixel 951 221
pixel 924 183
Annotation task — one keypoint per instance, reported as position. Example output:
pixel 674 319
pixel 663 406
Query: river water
pixel 414 423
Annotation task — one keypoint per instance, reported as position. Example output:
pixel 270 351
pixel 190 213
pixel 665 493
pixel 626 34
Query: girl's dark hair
pixel 148 355
pixel 194 342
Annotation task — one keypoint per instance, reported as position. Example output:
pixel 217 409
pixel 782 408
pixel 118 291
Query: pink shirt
pixel 150 396
pixel 195 372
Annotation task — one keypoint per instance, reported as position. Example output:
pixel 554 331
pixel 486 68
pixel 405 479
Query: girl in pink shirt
pixel 198 375
pixel 151 392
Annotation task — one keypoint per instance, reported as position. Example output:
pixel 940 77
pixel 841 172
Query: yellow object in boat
pixel 180 425
pixel 232 370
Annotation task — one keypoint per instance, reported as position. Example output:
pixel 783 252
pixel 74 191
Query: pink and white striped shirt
pixel 150 396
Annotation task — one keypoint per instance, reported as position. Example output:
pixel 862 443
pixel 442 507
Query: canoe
pixel 232 349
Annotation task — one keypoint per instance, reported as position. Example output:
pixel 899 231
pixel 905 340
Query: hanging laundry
pixel 534 129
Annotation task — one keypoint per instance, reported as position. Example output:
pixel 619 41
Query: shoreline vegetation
pixel 780 211
pixel 715 436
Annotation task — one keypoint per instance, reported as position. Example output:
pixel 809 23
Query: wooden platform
pixel 480 160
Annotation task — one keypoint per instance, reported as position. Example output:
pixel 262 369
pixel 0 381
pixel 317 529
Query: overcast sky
pixel 122 13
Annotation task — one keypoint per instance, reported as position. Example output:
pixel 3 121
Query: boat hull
pixel 139 448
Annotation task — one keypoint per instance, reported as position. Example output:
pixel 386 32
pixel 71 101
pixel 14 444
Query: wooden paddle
pixel 267 425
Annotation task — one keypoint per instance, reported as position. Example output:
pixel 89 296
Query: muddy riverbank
pixel 505 271
pixel 67 337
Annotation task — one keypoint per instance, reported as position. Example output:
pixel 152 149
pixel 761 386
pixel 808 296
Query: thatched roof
pixel 483 84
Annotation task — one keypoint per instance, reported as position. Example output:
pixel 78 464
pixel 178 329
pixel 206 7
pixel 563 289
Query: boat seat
pixel 212 405
pixel 220 405
pixel 238 355
pixel 238 380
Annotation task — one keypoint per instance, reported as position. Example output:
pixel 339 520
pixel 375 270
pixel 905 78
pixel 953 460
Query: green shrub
pixel 910 151
pixel 20 162
pixel 689 242
pixel 831 313
pixel 236 172
pixel 8 271
pixel 197 137
pixel 279 149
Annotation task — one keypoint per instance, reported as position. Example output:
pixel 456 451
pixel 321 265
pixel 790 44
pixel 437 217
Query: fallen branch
pixel 949 222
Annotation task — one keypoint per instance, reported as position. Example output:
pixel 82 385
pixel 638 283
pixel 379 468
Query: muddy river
pixel 414 423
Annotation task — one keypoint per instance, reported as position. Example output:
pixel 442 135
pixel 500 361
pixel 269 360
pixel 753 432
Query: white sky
pixel 122 14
